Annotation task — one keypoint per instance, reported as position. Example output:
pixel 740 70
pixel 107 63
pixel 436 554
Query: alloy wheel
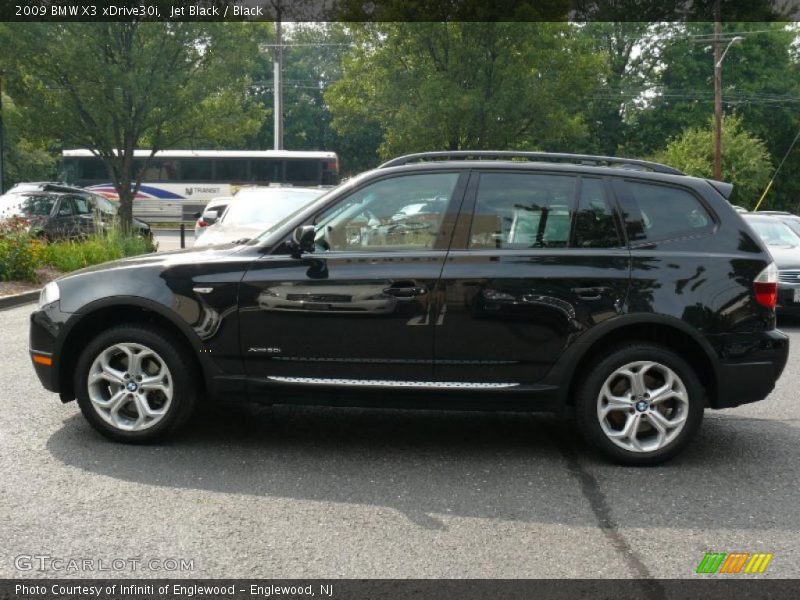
pixel 130 386
pixel 643 406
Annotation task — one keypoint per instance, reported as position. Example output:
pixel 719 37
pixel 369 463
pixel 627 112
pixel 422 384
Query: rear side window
pixel 522 210
pixel 81 205
pixel 542 210
pixel 661 212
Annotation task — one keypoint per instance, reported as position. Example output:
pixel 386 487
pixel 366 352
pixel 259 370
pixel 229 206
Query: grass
pixel 75 254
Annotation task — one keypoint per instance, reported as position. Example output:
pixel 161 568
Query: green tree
pixel 631 51
pixel 745 160
pixel 462 85
pixel 312 57
pixel 760 82
pixel 115 87
pixel 26 158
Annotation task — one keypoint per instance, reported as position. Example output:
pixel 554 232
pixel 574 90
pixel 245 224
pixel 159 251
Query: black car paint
pixel 534 314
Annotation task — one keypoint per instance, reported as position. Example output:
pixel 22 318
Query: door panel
pixel 537 259
pixel 62 224
pixel 349 316
pixel 359 306
pixel 508 317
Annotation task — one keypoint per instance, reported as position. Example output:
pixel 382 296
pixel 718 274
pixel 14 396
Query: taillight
pixel 766 286
pixel 201 223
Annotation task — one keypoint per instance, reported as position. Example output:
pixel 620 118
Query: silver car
pixel 255 209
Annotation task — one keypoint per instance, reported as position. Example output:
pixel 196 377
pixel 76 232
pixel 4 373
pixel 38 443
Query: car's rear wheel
pixel 135 383
pixel 641 404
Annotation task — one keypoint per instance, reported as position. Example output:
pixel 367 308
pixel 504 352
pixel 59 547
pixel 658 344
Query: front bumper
pixel 750 366
pixel 46 325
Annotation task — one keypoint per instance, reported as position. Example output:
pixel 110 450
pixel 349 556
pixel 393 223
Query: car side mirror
pixel 303 240
pixel 210 216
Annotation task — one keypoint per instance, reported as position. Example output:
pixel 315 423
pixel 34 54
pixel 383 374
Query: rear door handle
pixel 590 293
pixel 405 291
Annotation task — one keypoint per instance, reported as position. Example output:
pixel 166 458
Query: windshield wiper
pixel 243 240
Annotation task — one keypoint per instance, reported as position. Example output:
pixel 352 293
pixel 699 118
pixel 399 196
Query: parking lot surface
pixel 321 492
pixel 170 239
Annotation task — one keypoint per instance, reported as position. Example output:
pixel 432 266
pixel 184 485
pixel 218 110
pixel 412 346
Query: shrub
pixel 18 251
pixel 72 255
pixel 21 254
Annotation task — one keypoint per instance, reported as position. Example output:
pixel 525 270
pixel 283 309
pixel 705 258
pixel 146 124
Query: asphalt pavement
pixel 170 239
pixel 322 492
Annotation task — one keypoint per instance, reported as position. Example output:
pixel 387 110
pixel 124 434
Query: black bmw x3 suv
pixel 621 291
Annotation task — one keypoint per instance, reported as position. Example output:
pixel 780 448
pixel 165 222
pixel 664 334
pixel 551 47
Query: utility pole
pixel 278 79
pixel 717 93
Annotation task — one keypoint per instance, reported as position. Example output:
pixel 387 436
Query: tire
pixel 153 401
pixel 613 405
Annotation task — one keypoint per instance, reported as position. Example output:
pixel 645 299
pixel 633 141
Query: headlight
pixel 50 294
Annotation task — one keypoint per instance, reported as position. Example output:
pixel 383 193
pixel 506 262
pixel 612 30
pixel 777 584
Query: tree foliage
pixel 745 160
pixel 448 86
pixel 27 157
pixel 115 87
pixel 369 91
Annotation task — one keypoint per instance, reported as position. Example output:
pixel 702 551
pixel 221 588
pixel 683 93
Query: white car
pixel 254 210
pixel 212 211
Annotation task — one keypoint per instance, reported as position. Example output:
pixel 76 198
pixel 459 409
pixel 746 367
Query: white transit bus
pixel 178 183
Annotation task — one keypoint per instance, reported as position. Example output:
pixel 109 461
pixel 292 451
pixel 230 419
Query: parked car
pixel 209 215
pixel 253 210
pixel 792 220
pixel 58 211
pixel 649 301
pixel 784 246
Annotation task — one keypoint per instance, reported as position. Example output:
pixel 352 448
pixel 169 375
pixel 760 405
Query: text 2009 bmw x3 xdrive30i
pixel 622 289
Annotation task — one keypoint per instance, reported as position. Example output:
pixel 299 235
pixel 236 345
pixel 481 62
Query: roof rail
pixel 585 159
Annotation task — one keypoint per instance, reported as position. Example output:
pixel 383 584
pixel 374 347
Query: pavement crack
pixel 590 488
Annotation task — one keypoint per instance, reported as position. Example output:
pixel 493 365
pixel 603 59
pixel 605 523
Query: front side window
pixel 401 213
pixel 660 212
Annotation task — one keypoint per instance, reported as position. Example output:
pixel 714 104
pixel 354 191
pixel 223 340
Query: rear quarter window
pixel 655 212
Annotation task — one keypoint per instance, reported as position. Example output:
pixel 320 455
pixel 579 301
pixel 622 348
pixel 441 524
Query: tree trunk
pixel 125 207
pixel 125 191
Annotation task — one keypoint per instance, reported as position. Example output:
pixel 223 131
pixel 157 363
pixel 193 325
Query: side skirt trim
pixel 392 383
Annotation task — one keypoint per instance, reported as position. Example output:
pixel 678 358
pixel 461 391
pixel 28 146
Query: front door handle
pixel 405 291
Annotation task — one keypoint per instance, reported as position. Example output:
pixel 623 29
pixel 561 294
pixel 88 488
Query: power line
pixel 769 185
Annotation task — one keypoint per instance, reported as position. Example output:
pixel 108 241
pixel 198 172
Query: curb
pixel 18 299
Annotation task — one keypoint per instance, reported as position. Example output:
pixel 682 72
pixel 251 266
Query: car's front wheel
pixel 641 404
pixel 135 384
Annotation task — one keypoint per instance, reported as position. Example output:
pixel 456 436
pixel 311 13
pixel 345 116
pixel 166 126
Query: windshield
pixel 254 210
pixel 792 223
pixel 12 205
pixel 775 233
